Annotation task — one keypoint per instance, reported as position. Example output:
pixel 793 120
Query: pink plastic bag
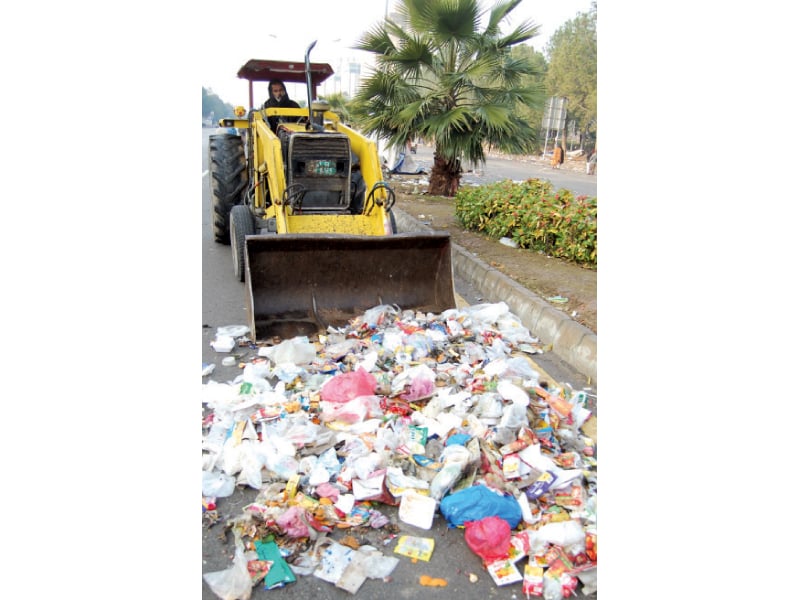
pixel 352 411
pixel 489 538
pixel 346 386
pixel 292 523
pixel 421 387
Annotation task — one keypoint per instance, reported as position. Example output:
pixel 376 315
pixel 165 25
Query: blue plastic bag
pixel 478 502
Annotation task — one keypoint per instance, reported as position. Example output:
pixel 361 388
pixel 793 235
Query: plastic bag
pixel 353 411
pixel 233 583
pixel 346 386
pixel 318 475
pixel 487 313
pixel 218 484
pixel 251 464
pixel 292 522
pixel 455 459
pixel 419 388
pixel 231 456
pixel 490 406
pixel 560 533
pixel 445 479
pixel 509 391
pixel 233 330
pixel 297 351
pixel 514 416
pixel 379 314
pixel 489 538
pixel 478 502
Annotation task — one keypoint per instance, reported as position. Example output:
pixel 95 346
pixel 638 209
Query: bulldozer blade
pixel 299 284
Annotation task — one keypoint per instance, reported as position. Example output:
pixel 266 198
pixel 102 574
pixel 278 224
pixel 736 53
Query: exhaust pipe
pixel 314 126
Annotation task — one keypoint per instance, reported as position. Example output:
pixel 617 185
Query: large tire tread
pixel 241 225
pixel 228 178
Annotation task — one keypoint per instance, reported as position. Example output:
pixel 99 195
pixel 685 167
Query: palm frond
pixel 440 76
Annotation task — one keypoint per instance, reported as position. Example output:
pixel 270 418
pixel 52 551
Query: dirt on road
pixel 564 285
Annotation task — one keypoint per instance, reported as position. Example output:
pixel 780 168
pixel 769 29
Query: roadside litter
pixel 432 414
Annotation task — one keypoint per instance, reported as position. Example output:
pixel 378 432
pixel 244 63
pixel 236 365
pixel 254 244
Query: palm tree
pixel 340 105
pixel 439 76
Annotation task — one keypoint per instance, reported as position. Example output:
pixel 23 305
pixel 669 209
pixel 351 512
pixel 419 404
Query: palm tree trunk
pixel 445 176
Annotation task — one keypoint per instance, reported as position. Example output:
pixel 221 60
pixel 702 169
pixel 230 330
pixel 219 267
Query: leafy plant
pixel 446 72
pixel 534 216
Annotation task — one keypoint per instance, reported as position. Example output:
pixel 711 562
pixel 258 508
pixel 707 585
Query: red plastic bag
pixel 346 386
pixel 489 538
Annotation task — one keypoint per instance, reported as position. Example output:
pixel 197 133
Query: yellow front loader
pixel 300 198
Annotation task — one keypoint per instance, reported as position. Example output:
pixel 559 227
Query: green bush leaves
pixel 558 223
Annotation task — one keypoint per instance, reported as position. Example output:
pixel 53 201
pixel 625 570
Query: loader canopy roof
pixel 289 71
pixel 295 72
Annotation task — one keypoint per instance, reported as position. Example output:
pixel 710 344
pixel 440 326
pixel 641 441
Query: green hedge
pixel 533 215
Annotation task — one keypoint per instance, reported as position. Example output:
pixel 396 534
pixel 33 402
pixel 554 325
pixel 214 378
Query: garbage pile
pixel 421 412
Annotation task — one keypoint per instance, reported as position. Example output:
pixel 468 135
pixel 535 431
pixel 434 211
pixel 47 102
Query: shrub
pixel 533 215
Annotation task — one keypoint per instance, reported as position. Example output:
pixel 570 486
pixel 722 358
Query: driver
pixel 278 96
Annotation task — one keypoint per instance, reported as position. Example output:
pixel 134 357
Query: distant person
pixel 591 162
pixel 558 157
pixel 279 97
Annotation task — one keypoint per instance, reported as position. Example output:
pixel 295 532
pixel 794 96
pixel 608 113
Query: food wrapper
pixel 571 498
pixel 568 585
pixel 533 580
pixel 541 485
pixel 416 548
pixel 511 466
pixel 557 561
pixel 258 569
pixel 417 509
pixel 591 546
pixel 374 488
pixel 504 572
pixel 520 545
pixel 418 435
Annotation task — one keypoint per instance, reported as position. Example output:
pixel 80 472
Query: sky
pixel 336 32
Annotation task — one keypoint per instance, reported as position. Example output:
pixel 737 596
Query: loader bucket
pixel 299 284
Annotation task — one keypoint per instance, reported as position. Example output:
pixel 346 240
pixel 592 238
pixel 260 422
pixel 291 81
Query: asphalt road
pixel 572 174
pixel 223 305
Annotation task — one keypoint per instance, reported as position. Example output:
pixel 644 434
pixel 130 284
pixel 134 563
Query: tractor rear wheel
pixel 241 225
pixel 228 178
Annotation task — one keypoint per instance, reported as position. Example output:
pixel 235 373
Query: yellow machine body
pixel 318 245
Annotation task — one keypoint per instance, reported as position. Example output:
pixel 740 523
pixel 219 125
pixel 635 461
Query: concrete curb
pixel 574 343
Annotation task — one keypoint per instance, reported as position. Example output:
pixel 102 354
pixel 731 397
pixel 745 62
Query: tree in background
pixel 572 70
pixel 441 77
pixel 340 104
pixel 532 114
pixel 214 106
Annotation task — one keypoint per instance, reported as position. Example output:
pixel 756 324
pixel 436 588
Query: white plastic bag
pixel 298 351
pixel 445 479
pixel 514 416
pixel 251 465
pixel 231 456
pixel 233 583
pixel 509 391
pixel 379 314
pixel 217 484
pixel 487 313
pixel 561 533
pixel 233 330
